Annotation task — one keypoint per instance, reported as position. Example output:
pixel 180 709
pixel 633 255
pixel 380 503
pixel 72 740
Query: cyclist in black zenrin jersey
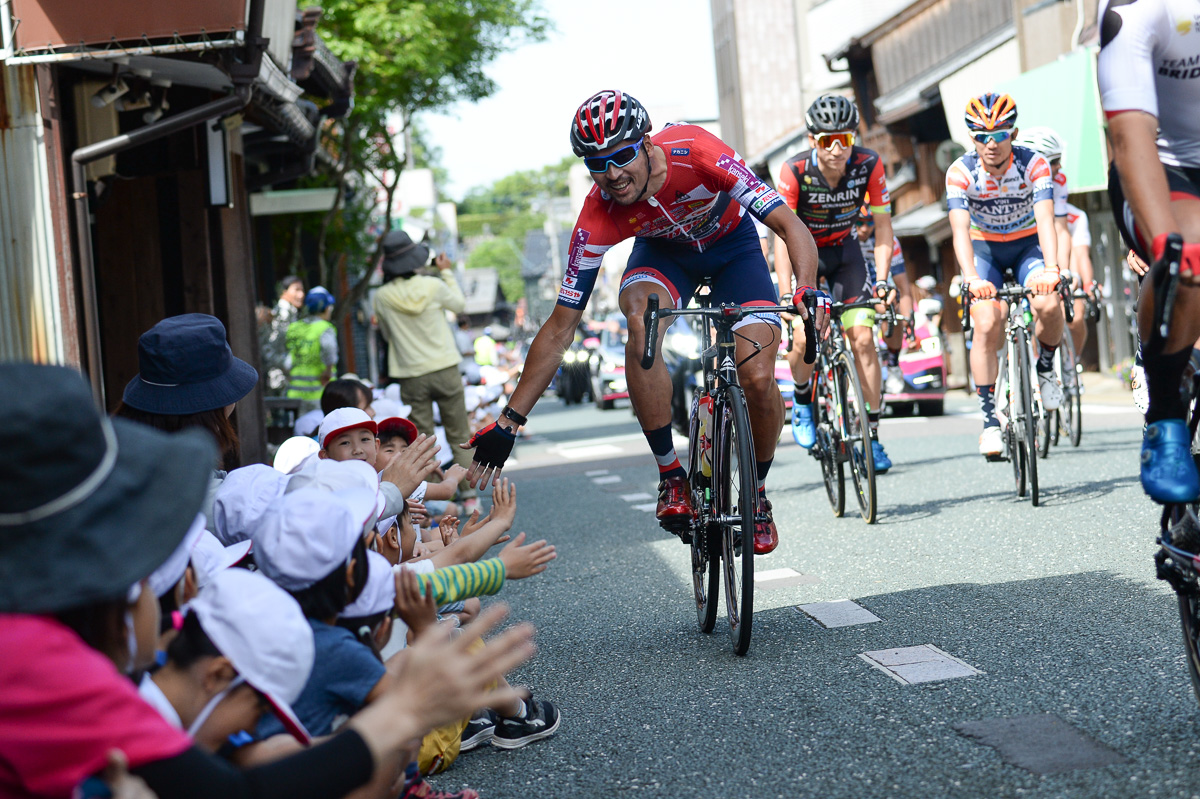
pixel 826 185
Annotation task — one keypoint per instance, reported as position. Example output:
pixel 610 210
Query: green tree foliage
pixel 412 56
pixel 504 255
pixel 514 193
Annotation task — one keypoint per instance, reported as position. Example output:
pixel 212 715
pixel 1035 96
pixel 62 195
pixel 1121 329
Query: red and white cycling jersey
pixel 1150 61
pixel 1077 226
pixel 1001 207
pixel 708 190
pixel 1060 193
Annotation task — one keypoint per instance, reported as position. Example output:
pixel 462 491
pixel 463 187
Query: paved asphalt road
pixel 1057 606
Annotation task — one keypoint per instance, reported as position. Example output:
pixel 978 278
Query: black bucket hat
pixel 185 366
pixel 88 505
pixel 402 255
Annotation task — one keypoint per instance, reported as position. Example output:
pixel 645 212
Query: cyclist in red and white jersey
pixel 1149 76
pixel 1001 201
pixel 688 199
pixel 1083 276
pixel 1045 141
pixel 826 185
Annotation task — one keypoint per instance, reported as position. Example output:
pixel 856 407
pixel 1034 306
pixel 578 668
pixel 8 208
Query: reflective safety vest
pixel 304 345
pixel 485 351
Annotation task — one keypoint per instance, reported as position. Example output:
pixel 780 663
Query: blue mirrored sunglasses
pixel 986 136
pixel 622 157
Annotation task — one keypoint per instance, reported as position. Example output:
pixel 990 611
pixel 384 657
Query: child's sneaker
pixel 541 721
pixel 479 730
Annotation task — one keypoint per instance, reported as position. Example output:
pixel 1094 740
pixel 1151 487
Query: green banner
pixel 1062 95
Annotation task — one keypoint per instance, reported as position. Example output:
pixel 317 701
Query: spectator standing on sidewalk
pixel 272 332
pixel 422 353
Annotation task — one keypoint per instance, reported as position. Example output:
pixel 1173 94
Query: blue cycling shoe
pixel 804 429
pixel 882 461
pixel 1168 471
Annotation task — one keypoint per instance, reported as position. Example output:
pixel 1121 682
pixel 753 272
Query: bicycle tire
pixel 857 428
pixel 734 470
pixel 1047 428
pixel 1011 425
pixel 1074 397
pixel 706 563
pixel 829 441
pixel 1028 412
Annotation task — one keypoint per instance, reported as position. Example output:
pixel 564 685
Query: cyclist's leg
pixel 651 271
pixel 850 281
pixel 987 323
pixel 1083 273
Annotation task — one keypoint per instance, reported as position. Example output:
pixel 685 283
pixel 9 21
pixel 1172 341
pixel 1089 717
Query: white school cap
pixel 328 475
pixel 294 453
pixel 307 424
pixel 242 499
pixel 210 557
pixel 168 575
pixel 306 534
pixel 379 594
pixel 263 632
pixel 341 420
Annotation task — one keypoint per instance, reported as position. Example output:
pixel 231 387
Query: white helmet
pixel 1042 140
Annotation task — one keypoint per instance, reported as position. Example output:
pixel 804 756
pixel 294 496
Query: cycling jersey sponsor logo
pixel 680 150
pixel 698 193
pixel 1180 67
pixel 730 165
pixel 569 294
pixel 569 280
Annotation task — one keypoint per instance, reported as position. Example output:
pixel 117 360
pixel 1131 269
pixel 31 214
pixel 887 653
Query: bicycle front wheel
pixel 736 485
pixel 1028 412
pixel 829 443
pixel 1189 617
pixel 856 433
pixel 706 559
pixel 1072 409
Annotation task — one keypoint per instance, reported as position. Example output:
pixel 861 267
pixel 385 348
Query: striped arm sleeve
pixel 464 580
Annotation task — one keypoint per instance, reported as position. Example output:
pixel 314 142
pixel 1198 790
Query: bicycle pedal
pixel 997 458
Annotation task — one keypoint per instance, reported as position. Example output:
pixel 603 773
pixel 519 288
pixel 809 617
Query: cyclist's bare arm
pixel 542 361
pixel 1143 180
pixel 964 251
pixel 1063 239
pixel 883 246
pixel 794 248
pixel 1047 233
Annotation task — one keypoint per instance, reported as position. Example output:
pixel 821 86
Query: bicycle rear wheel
pixel 829 442
pixel 1047 432
pixel 706 559
pixel 1028 412
pixel 1189 617
pixel 736 485
pixel 856 433
pixel 1072 409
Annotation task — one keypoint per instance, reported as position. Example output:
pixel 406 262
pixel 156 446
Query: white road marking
pixel 606 480
pixel 917 664
pixel 580 453
pixel 838 613
pixel 783 578
pixel 596 472
pixel 636 497
pixel 647 508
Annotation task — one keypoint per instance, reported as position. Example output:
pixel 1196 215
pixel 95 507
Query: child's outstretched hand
pixel 454 474
pixel 417 511
pixel 416 609
pixel 448 529
pixel 474 522
pixel 504 503
pixel 523 560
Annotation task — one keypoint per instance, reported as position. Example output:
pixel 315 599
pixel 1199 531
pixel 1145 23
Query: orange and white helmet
pixel 991 111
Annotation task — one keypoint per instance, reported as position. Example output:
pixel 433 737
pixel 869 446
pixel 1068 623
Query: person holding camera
pixel 422 354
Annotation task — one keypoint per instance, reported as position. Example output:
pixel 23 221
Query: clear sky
pixel 660 51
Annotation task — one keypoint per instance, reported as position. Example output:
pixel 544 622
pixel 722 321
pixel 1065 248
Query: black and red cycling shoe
pixel 674 511
pixel 766 536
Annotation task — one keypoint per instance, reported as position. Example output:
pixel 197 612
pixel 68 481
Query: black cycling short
pixel 1180 180
pixel 844 269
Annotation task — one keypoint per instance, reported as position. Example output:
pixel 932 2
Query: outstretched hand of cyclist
pixel 821 301
pixel 493 444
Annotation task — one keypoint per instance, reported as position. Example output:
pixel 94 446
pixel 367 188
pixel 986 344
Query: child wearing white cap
pixel 243 637
pixel 348 434
pixel 242 499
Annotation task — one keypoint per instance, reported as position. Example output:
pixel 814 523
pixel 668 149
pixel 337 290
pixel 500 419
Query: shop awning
pixel 1063 95
pixel 930 222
